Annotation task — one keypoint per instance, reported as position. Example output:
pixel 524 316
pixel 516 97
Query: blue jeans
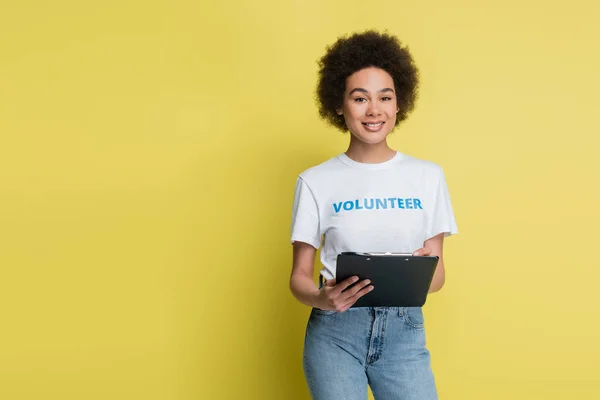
pixel 383 347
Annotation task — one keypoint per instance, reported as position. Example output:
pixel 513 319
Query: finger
pixel 423 251
pixel 355 298
pixel 359 294
pixel 340 287
pixel 330 282
pixel 356 288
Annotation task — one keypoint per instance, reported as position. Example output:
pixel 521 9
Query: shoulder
pixel 322 171
pixel 420 166
pixel 420 163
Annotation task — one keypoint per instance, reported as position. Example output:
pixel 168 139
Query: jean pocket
pixel 318 311
pixel 413 316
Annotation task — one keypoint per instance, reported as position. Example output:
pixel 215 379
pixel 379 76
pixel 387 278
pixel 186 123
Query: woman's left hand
pixel 423 251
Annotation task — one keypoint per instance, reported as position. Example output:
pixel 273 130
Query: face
pixel 369 106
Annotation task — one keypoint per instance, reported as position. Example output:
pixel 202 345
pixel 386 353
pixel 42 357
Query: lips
pixel 373 124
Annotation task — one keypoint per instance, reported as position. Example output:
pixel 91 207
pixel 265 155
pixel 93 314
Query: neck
pixel 369 153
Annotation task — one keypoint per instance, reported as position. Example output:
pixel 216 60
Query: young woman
pixel 369 199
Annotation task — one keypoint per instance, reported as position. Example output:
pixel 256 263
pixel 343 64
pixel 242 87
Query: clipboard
pixel 399 280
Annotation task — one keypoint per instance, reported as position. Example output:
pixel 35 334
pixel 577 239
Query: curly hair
pixel 361 50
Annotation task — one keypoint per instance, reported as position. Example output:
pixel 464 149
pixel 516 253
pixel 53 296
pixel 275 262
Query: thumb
pixel 330 282
pixel 423 251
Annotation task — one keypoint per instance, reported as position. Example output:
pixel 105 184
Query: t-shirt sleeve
pixel 441 219
pixel 305 216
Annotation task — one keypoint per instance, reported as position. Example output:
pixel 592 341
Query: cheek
pixel 352 112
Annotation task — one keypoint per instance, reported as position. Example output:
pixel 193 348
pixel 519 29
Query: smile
pixel 373 125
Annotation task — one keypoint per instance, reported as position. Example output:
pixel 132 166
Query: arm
pixel 302 284
pixel 435 247
pixel 332 295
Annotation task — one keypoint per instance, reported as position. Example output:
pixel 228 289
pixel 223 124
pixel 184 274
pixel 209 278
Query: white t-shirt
pixel 392 206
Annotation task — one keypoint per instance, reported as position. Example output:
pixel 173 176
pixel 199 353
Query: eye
pixel 386 98
pixel 359 99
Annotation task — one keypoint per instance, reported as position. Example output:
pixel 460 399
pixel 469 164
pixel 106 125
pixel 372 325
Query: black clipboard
pixel 399 280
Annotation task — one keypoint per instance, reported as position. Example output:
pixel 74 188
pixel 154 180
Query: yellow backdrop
pixel 148 156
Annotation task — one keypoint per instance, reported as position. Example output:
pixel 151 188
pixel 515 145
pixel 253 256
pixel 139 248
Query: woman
pixel 367 86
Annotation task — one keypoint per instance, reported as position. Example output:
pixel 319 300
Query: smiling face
pixel 369 106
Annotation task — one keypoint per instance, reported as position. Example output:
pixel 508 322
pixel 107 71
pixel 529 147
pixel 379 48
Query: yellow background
pixel 148 156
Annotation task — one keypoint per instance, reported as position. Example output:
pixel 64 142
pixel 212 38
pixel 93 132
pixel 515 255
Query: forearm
pixel 438 280
pixel 304 289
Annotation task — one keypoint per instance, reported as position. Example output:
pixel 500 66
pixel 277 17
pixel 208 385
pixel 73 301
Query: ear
pixel 339 111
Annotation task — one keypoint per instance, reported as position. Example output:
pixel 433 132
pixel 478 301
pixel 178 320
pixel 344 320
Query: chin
pixel 372 141
pixel 370 138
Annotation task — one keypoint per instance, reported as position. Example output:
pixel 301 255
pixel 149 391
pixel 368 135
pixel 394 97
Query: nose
pixel 373 110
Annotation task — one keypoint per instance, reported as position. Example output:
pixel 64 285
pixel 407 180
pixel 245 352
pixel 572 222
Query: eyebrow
pixel 365 91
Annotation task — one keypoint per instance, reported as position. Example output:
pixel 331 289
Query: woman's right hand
pixel 333 297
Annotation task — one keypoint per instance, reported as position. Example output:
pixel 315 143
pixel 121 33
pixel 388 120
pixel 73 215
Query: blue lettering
pixel 378 203
pixel 337 207
pixel 381 202
pixel 358 207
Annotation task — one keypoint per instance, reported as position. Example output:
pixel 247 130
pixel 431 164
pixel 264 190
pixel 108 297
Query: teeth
pixel 374 125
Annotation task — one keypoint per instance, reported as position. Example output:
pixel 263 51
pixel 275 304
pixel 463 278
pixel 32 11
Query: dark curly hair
pixel 361 50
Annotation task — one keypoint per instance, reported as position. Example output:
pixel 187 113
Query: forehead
pixel 370 78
